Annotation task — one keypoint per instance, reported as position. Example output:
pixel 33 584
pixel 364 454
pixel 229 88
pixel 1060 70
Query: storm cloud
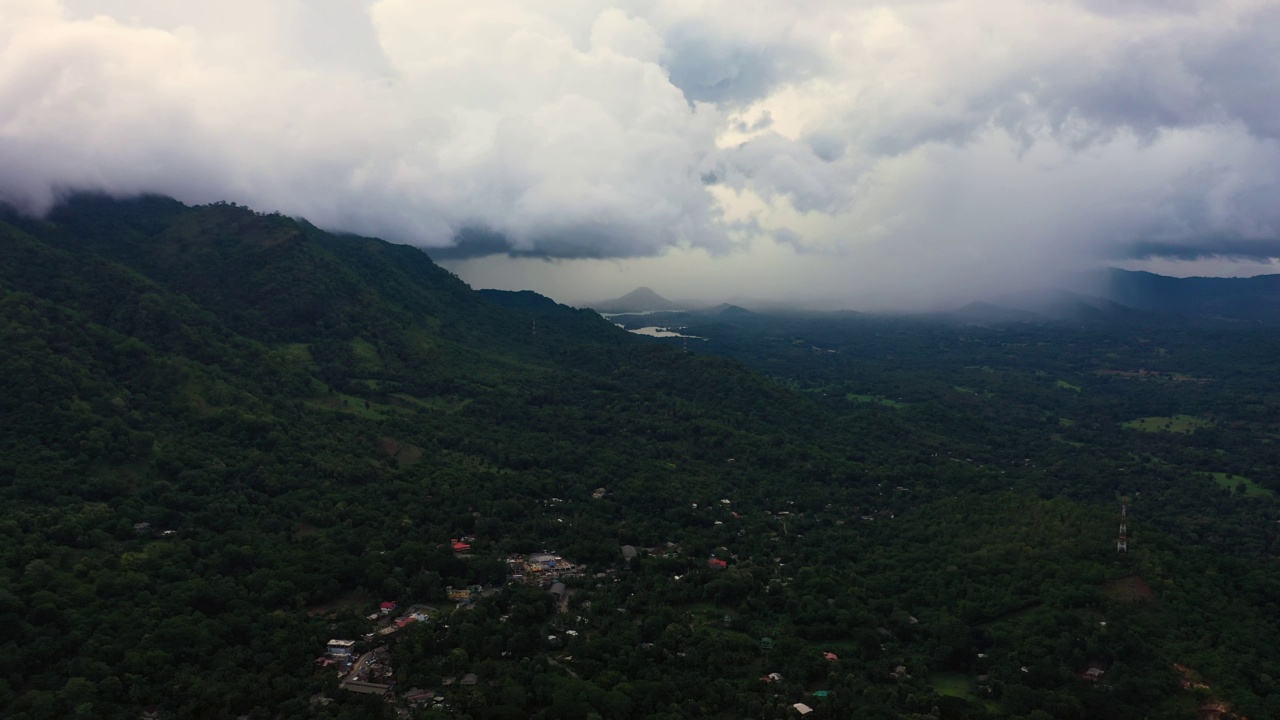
pixel 846 145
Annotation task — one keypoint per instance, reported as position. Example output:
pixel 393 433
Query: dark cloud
pixel 709 66
pixel 577 242
pixel 473 243
pixel 1229 248
pixel 1202 70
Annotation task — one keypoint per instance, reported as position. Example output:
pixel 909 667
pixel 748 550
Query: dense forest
pixel 229 438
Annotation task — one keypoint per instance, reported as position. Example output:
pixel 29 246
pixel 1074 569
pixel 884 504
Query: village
pixel 364 666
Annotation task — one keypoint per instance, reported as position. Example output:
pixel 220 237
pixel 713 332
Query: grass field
pixel 1177 424
pixel 953 684
pixel 438 404
pixel 875 399
pixel 1067 386
pixel 341 402
pixel 367 355
pixel 1230 482
pixel 298 354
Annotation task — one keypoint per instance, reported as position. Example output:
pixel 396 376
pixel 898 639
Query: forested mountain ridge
pixel 228 436
pixel 1248 298
pixel 247 382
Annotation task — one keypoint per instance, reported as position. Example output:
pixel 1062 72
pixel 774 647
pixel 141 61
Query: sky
pixel 838 153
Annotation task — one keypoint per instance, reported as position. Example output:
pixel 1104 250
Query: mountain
pixel 638 300
pixel 223 432
pixel 727 310
pixel 1124 296
pixel 1046 304
pixel 1254 298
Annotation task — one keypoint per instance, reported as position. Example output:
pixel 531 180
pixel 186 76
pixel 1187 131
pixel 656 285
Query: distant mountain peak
pixel 644 294
pixel 729 310
pixel 642 299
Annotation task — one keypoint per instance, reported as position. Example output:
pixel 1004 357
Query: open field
pixel 1177 424
pixel 878 400
pixel 360 407
pixel 1231 482
pixel 952 684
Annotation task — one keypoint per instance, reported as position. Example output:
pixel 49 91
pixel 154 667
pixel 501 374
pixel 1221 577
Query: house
pixel 365 688
pixel 802 709
pixel 830 656
pixel 417 695
pixel 628 552
pixel 459 546
pixel 340 648
pixel 387 607
pixel 717 564
pixel 469 679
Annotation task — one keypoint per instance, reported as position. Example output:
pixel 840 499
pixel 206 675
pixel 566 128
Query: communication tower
pixel 1122 540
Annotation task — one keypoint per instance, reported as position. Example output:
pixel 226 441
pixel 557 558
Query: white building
pixel 341 648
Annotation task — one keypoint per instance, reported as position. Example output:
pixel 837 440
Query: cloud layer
pixel 997 137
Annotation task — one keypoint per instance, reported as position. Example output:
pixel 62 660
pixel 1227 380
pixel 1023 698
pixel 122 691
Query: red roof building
pixel 717 564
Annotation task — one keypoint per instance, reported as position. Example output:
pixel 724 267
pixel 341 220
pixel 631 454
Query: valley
pixel 230 437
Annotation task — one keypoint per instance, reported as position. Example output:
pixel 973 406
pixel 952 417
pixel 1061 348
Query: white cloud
pixel 846 147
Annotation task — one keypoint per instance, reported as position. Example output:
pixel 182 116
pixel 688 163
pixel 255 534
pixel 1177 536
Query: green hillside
pixel 227 437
